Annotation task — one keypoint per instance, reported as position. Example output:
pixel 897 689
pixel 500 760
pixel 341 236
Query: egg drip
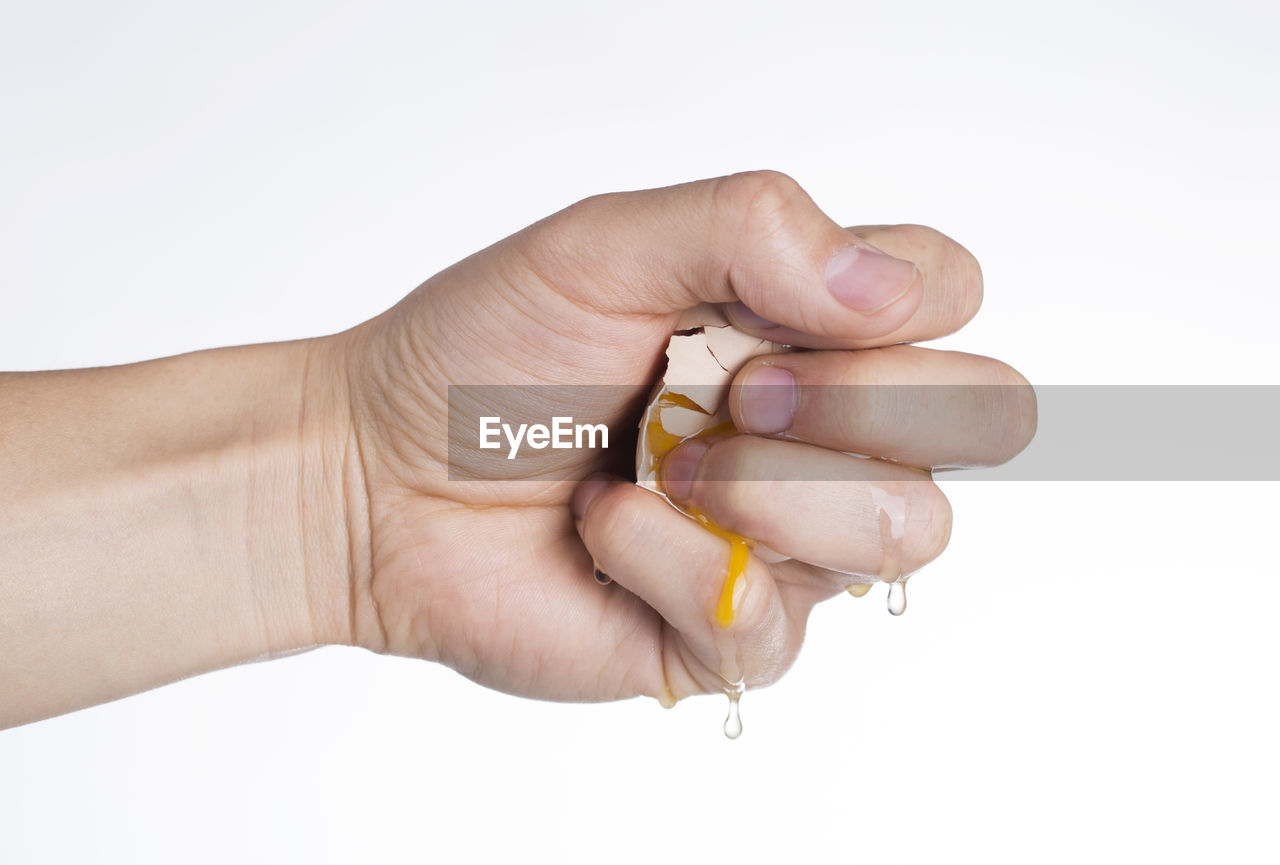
pixel 891 515
pixel 661 443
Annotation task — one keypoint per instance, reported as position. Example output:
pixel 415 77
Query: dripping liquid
pixel 661 443
pixel 892 518
pixel 733 721
pixel 896 600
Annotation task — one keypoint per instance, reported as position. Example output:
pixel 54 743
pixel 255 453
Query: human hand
pixel 495 578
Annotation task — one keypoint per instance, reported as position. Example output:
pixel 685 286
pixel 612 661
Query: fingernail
pixel 679 467
pixel 588 490
pixel 866 279
pixel 740 314
pixel 767 400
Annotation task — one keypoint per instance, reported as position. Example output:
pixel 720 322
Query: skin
pixel 172 517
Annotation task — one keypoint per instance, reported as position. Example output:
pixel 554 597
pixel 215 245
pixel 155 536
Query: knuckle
pixel 870 402
pixel 612 521
pixel 871 412
pixel 961 277
pixel 559 230
pixel 762 185
pixel 929 521
pixel 568 235
pixel 759 616
pixel 878 412
pixel 761 201
pixel 1014 413
pixel 737 479
pixel 584 209
pixel 548 247
pixel 770 638
pixel 967 281
pixel 733 502
pixel 754 608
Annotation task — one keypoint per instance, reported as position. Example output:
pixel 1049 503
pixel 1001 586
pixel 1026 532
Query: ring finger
pixel 833 510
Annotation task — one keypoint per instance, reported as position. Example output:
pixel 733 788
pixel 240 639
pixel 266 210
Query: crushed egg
pixel 691 402
pixel 703 356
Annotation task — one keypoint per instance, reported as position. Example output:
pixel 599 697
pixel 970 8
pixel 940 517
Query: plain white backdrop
pixel 1089 672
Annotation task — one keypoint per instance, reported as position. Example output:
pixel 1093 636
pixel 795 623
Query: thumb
pixel 756 237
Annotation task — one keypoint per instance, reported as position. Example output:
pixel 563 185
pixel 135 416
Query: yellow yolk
pixel 661 443
pixel 739 554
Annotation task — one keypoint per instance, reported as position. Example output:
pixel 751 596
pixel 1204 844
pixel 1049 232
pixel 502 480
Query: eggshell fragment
pixel 703 356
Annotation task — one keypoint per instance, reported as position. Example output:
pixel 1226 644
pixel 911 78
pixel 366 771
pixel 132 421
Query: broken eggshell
pixel 703 356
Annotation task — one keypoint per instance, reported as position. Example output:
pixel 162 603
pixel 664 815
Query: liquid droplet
pixel 896 600
pixel 733 721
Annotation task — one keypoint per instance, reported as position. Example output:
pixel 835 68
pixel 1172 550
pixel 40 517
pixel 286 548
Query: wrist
pixel 342 603
pixel 322 518
pixel 257 433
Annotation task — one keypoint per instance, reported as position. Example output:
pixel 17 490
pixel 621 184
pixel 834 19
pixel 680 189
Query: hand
pixel 495 578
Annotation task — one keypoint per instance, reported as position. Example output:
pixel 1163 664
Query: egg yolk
pixel 661 443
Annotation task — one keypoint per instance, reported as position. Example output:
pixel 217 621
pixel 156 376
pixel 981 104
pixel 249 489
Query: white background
pixel 1089 671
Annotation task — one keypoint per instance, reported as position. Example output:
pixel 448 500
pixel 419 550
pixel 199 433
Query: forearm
pixel 167 518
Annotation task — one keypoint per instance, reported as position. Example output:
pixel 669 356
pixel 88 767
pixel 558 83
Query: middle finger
pixel 916 406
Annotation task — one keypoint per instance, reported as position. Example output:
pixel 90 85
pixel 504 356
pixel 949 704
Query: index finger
pixel 755 237
pixel 952 291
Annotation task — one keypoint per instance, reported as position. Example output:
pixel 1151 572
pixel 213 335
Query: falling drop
pixel 733 721
pixel 896 600
pixel 893 523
